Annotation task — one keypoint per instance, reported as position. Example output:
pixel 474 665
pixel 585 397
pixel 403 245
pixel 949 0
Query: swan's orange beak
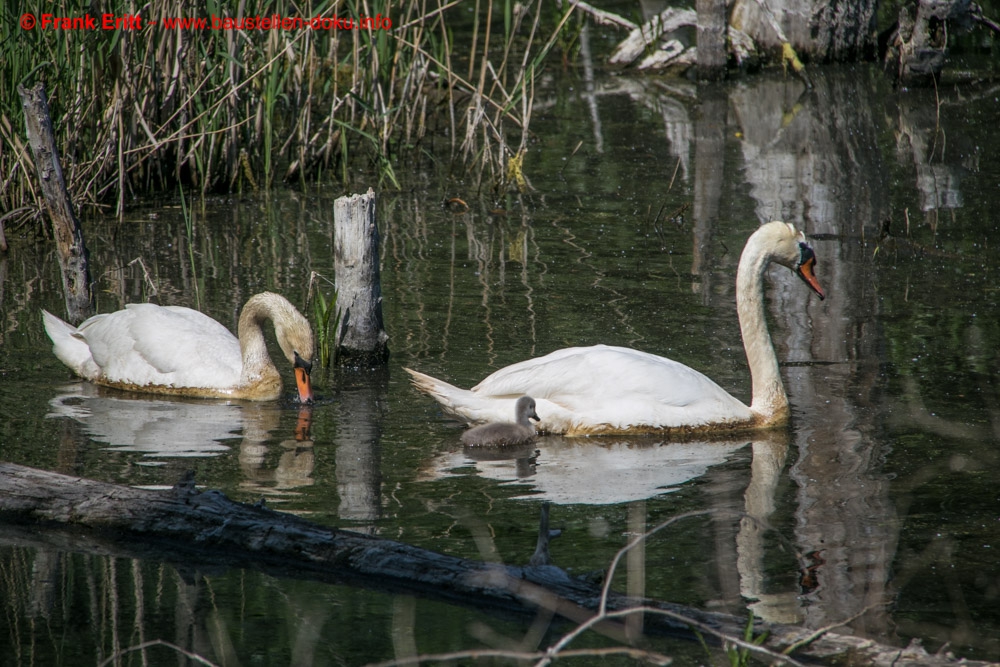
pixel 806 270
pixel 304 385
pixel 302 368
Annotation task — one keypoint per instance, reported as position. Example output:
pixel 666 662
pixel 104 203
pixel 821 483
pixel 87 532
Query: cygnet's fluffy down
pixel 518 433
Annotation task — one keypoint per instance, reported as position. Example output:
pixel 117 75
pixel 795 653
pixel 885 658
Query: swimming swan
pixel 176 350
pixel 505 433
pixel 617 390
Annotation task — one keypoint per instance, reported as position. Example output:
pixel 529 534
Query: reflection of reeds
pixel 189 232
pixel 141 110
pixel 462 277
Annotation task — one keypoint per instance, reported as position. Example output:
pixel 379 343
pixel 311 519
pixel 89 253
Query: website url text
pixel 137 22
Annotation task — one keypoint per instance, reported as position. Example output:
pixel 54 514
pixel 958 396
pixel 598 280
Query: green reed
pixel 141 111
pixel 189 233
pixel 327 324
pixel 326 318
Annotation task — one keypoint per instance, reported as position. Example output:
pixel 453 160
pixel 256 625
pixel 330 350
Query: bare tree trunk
pixel 65 225
pixel 819 30
pixel 712 26
pixel 816 30
pixel 362 337
pixel 919 45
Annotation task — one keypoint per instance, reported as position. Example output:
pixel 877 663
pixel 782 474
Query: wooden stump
pixel 65 226
pixel 362 339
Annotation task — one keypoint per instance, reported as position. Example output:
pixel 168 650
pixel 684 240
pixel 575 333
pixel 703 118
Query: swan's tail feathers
pixel 69 347
pixel 440 390
pixel 465 404
pixel 453 400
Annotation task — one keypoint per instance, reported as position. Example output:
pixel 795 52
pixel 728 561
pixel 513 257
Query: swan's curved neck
pixel 257 363
pixel 770 403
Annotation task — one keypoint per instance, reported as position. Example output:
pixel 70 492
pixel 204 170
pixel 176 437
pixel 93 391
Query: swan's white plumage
pixel 574 390
pixel 172 349
pixel 163 345
pixel 604 389
pixel 68 348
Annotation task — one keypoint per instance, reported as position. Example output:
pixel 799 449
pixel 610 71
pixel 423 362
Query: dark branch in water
pixel 206 530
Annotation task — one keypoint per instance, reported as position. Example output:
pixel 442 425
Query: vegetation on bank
pixel 232 101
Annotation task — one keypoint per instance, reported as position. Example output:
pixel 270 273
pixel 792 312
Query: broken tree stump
pixel 362 339
pixel 66 227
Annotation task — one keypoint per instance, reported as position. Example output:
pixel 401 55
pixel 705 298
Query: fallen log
pixel 206 530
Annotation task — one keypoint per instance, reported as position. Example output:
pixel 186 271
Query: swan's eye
pixel 806 254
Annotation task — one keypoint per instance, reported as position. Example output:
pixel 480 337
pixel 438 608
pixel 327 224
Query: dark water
pixel 878 507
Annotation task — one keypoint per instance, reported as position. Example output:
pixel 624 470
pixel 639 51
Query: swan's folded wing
pixel 617 386
pixel 149 344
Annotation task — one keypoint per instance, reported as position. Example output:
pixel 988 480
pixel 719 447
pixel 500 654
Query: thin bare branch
pixel 602 17
pixel 114 657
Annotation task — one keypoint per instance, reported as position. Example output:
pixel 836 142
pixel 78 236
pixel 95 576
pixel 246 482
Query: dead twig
pixel 117 655
pixel 602 17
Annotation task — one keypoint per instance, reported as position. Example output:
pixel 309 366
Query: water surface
pixel 877 508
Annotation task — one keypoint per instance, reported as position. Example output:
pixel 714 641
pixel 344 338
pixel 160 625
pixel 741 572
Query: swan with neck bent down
pixel 616 390
pixel 176 350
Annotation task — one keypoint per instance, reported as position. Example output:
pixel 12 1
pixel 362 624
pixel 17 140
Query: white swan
pixel 520 432
pixel 616 390
pixel 176 350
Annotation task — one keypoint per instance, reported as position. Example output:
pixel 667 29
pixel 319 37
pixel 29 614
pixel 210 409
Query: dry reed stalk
pixel 142 111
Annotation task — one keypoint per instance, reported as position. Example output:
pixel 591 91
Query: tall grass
pixel 141 111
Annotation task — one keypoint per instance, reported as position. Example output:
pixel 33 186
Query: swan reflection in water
pixel 589 471
pixel 605 471
pixel 153 427
pixel 162 429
